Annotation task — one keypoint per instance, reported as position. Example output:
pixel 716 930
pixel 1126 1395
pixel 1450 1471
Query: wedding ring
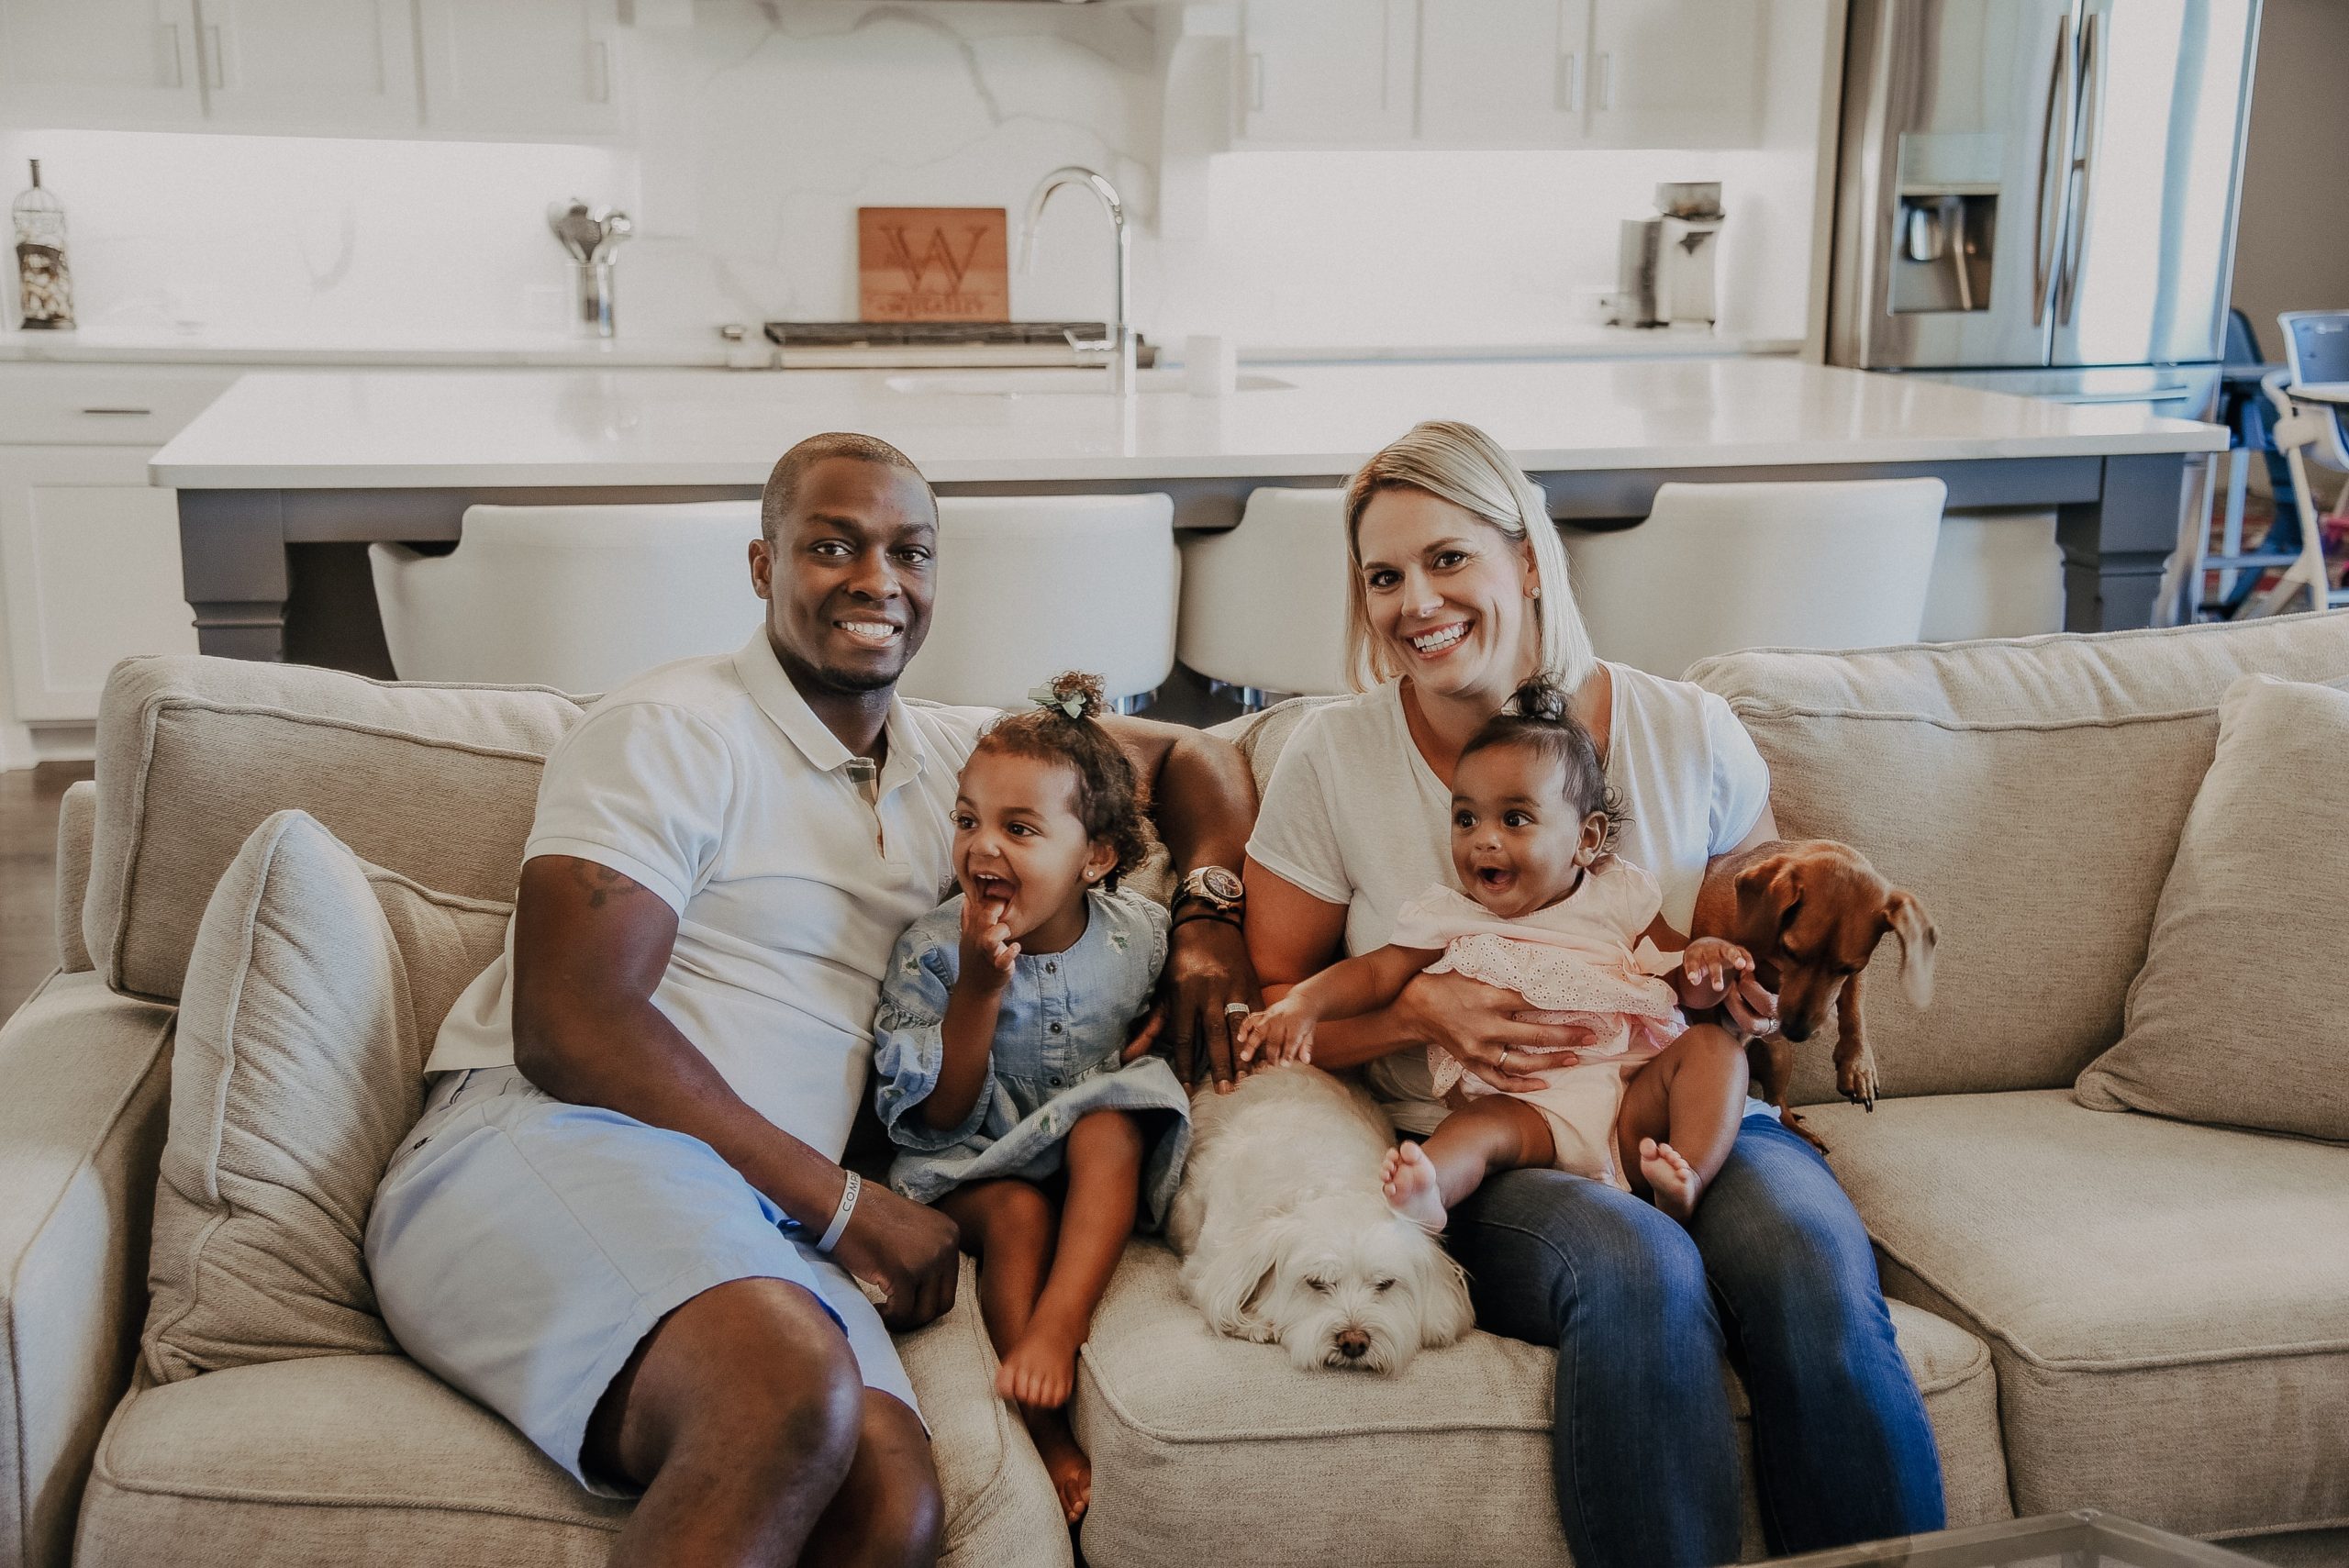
pixel 1240 1007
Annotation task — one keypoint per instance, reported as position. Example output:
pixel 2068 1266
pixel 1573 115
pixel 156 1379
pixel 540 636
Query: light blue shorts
pixel 522 1248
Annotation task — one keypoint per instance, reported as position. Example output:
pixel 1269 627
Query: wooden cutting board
pixel 932 263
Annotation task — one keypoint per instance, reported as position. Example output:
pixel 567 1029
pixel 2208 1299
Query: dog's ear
pixel 1767 892
pixel 1918 937
pixel 1228 1281
pixel 1441 1290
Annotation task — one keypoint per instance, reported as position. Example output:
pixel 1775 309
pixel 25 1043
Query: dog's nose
pixel 1354 1344
pixel 1795 1030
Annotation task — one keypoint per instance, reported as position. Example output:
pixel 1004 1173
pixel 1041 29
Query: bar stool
pixel 1264 604
pixel 1029 585
pixel 1838 563
pixel 579 598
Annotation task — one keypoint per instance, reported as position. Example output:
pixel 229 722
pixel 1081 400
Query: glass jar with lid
pixel 45 289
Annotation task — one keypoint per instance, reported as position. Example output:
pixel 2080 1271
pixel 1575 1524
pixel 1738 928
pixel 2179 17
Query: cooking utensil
pixel 612 226
pixel 576 229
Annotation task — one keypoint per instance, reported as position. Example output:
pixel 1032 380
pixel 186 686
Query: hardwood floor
pixel 29 799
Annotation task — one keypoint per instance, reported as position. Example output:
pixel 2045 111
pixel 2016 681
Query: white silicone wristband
pixel 839 1215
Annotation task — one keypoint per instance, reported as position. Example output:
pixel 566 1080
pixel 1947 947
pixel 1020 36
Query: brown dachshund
pixel 1811 913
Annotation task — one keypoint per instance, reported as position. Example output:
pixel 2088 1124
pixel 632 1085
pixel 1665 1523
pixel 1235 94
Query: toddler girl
pixel 1654 1103
pixel 1001 1046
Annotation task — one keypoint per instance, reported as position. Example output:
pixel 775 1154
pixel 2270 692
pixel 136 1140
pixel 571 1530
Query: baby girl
pixel 1654 1103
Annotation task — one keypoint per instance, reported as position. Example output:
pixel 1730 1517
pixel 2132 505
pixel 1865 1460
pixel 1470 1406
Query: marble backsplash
pixel 760 129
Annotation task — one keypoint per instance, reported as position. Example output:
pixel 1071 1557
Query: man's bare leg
pixel 740 1415
pixel 888 1513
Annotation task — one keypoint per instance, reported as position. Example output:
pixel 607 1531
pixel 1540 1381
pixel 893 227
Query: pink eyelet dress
pixel 1583 960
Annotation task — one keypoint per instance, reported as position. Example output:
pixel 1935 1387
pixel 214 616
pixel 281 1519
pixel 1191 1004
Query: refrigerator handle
pixel 2063 83
pixel 2083 150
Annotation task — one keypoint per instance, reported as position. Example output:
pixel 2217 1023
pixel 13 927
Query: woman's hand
pixel 1208 988
pixel 988 952
pixel 1476 1024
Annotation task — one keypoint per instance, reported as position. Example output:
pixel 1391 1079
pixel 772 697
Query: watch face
pixel 1220 884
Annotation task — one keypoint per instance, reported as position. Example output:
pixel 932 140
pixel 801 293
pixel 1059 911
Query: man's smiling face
pixel 848 575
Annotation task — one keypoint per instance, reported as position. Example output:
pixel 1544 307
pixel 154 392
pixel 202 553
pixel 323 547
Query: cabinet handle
pixel 1606 93
pixel 171 47
pixel 139 411
pixel 215 74
pixel 1568 91
pixel 1256 81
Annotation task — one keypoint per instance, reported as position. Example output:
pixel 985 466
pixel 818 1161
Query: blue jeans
pixel 1776 1272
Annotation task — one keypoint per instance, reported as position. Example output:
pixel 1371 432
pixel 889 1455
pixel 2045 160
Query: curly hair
pixel 1537 717
pixel 1108 799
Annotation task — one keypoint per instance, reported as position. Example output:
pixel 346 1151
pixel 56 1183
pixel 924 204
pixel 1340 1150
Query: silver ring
pixel 1240 1007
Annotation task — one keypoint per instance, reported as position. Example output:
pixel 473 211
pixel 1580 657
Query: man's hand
pixel 904 1250
pixel 1477 1025
pixel 1207 972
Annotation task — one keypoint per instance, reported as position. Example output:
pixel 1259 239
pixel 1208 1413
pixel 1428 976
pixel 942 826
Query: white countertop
pixel 290 429
pixel 158 344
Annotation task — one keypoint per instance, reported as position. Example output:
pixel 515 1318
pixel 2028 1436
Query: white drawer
pixel 105 406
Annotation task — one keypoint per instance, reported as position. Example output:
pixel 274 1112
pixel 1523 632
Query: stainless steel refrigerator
pixel 2039 195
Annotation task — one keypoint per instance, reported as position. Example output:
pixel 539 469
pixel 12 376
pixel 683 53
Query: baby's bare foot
pixel 1041 1370
pixel 1672 1180
pixel 1409 1184
pixel 1072 1473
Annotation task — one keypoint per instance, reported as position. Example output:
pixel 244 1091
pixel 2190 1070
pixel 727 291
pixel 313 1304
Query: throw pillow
pixel 313 991
pixel 2226 1022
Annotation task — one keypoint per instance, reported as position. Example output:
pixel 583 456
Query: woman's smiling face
pixel 1448 594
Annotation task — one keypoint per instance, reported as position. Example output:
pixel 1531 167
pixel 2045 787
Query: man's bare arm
pixel 590 947
pixel 1203 802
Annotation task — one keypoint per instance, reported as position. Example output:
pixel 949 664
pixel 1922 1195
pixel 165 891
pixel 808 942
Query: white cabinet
pixel 1500 74
pixel 292 64
pixel 1327 73
pixel 1678 72
pixel 535 68
pixel 103 63
pixel 1503 73
pixel 90 552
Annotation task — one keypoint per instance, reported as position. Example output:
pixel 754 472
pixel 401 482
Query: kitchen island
pixel 290 458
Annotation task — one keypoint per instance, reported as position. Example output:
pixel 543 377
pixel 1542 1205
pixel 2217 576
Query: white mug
pixel 1210 366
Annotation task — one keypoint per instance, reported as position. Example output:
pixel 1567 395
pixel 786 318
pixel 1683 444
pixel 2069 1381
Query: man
pixel 622 1221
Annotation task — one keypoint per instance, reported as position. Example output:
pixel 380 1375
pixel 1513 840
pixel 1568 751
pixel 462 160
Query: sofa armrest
pixel 77 814
pixel 82 1121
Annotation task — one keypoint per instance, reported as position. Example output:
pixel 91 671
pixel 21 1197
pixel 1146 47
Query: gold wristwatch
pixel 1210 892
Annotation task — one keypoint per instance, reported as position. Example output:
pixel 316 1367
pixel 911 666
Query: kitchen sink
pixel 1057 381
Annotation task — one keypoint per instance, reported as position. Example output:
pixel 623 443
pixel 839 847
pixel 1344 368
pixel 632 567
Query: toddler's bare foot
pixel 1072 1473
pixel 1409 1184
pixel 1671 1179
pixel 1041 1370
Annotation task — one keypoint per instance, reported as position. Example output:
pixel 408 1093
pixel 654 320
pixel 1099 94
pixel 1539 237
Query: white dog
pixel 1287 1239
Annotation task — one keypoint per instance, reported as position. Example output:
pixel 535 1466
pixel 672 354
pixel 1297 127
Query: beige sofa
pixel 2102 1308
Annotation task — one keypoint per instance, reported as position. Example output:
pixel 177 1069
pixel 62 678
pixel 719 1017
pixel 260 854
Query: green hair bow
pixel 1071 703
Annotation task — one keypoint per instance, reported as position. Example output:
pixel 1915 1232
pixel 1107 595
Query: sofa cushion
pixel 317 985
pixel 2221 1027
pixel 193 752
pixel 2168 1305
pixel 369 1457
pixel 2032 794
pixel 1210 1449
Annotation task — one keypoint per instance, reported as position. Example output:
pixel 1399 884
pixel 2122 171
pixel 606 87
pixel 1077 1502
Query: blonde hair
pixel 1461 464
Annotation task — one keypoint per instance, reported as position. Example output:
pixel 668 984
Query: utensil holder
pixel 594 316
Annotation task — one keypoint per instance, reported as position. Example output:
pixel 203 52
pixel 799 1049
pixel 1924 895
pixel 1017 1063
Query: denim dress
pixel 1064 1019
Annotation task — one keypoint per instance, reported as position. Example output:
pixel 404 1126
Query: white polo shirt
pixel 712 783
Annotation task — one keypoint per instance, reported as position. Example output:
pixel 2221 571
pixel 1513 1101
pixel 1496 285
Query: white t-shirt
pixel 712 783
pixel 1352 814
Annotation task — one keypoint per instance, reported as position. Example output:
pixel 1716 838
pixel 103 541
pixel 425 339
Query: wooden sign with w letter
pixel 932 263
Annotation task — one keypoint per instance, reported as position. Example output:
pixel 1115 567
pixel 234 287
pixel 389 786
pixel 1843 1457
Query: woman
pixel 1459 594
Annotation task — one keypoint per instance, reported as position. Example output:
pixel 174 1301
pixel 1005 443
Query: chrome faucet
pixel 1119 343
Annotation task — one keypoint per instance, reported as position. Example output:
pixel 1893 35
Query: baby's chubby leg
pixel 1423 1182
pixel 1680 1117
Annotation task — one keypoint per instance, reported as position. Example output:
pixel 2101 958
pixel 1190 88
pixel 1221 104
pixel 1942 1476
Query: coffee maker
pixel 1666 276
